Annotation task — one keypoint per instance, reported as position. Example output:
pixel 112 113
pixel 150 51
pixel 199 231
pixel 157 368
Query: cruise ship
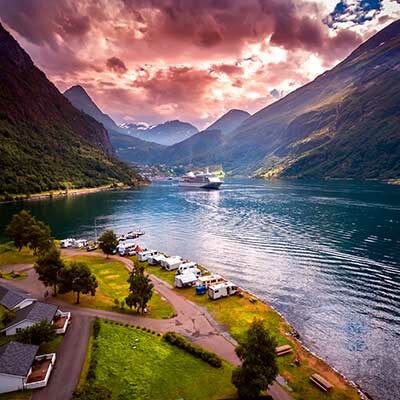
pixel 201 181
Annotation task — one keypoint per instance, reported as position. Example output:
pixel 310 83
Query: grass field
pixel 112 279
pixel 236 313
pixel 9 254
pixel 141 366
pixel 13 276
pixel 25 395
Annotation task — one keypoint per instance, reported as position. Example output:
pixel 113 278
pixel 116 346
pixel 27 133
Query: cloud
pixel 116 65
pixel 156 59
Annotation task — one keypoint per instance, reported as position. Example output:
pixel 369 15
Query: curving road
pixel 191 320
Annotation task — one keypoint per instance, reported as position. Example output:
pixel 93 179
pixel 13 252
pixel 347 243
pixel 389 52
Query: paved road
pixel 191 320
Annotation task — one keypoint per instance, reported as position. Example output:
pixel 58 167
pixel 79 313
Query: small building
pixel 185 280
pixel 35 313
pixel 220 290
pixel 13 299
pixel 21 368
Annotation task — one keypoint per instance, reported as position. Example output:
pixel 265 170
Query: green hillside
pixel 45 143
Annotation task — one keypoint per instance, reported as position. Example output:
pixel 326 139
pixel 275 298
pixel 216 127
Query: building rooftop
pixel 35 312
pixel 17 358
pixel 10 297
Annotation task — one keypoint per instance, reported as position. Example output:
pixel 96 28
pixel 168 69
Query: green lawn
pixel 13 276
pixel 9 254
pixel 139 365
pixel 112 279
pixel 236 313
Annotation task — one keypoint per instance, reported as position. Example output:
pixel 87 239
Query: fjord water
pixel 324 254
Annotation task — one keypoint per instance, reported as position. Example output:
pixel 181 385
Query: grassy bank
pixel 9 254
pixel 139 365
pixel 236 313
pixel 112 278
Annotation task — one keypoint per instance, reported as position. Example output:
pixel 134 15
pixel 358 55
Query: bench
pixel 321 382
pixel 281 350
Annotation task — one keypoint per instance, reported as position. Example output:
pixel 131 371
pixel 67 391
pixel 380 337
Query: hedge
pixel 196 351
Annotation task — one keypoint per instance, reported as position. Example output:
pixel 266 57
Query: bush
pixel 196 351
pixel 42 332
pixel 92 392
pixel 96 328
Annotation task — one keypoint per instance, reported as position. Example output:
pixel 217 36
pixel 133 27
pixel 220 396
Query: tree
pixel 42 332
pixel 76 277
pixel 40 239
pixel 25 230
pixel 108 242
pixel 140 289
pixel 19 227
pixel 259 367
pixel 48 267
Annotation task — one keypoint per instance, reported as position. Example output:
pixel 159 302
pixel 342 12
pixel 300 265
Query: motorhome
pixel 188 267
pixel 171 263
pixel 145 255
pixel 220 290
pixel 156 259
pixel 124 246
pixel 185 280
pixel 209 280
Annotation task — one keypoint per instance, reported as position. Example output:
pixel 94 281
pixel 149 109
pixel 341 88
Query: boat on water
pixel 202 180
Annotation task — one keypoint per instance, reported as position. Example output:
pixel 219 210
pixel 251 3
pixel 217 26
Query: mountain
pixel 133 150
pixel 45 142
pixel 167 134
pixel 229 121
pixel 79 98
pixel 194 150
pixel 344 124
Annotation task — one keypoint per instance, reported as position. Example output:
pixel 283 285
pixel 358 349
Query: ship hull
pixel 205 185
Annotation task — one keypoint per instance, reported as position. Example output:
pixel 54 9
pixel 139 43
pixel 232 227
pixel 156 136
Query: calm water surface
pixel 326 255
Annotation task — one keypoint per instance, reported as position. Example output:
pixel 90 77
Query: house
pixel 35 313
pixel 21 368
pixel 13 299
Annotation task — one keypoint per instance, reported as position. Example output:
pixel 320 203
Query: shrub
pixel 39 333
pixel 196 351
pixel 96 328
pixel 92 392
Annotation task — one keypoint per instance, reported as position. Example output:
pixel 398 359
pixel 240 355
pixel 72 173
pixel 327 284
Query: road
pixel 191 320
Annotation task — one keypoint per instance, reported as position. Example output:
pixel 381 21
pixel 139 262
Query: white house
pixel 21 368
pixel 35 313
pixel 13 299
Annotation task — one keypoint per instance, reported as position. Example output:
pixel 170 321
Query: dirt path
pixel 192 321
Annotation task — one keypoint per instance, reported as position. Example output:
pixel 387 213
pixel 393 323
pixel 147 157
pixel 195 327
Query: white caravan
pixel 156 259
pixel 188 267
pixel 145 255
pixel 220 290
pixel 171 263
pixel 209 280
pixel 186 279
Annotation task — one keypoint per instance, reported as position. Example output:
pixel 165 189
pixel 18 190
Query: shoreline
pixel 299 341
pixel 56 194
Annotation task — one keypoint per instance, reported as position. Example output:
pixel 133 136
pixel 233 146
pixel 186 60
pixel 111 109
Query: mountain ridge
pixel 46 143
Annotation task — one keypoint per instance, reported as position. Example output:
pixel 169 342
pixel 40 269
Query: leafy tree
pixel 108 242
pixel 48 267
pixel 259 367
pixel 76 277
pixel 140 289
pixel 39 333
pixel 40 239
pixel 19 228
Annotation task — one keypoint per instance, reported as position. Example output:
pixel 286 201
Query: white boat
pixel 203 180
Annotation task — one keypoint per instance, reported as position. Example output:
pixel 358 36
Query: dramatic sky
pixel 156 60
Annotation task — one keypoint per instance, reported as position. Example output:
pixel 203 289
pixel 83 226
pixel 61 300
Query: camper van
pixel 188 267
pixel 145 255
pixel 124 246
pixel 186 279
pixel 171 263
pixel 209 280
pixel 220 290
pixel 156 259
